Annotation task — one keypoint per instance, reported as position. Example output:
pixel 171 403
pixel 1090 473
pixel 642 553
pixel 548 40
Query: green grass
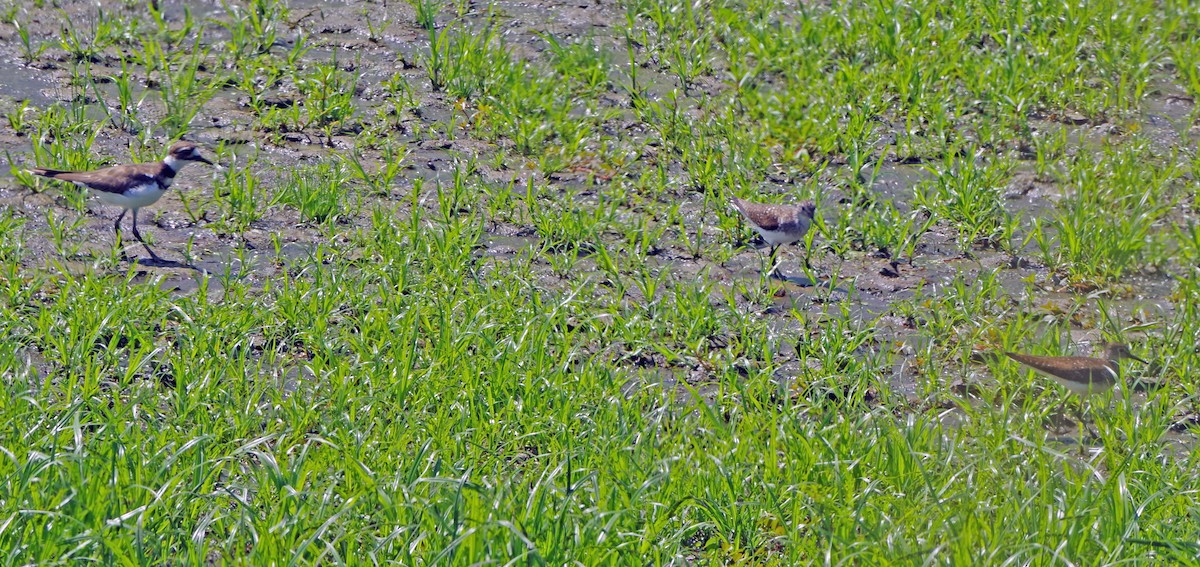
pixel 501 313
pixel 319 192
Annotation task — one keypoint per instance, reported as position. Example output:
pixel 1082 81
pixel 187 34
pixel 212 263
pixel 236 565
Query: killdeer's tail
pixel 72 176
pixel 51 173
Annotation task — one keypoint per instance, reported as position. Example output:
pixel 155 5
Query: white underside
pixel 1083 389
pixel 778 237
pixel 135 198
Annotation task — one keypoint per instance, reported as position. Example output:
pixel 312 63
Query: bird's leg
pixel 138 235
pixel 1084 423
pixel 117 232
pixel 774 269
pixel 808 268
pixel 117 225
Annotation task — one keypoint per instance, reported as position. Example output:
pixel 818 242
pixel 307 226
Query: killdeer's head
pixel 184 151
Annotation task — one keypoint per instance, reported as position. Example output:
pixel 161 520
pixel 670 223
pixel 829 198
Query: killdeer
pixel 1081 375
pixel 778 224
pixel 131 186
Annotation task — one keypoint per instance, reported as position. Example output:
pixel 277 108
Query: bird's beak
pixel 1131 355
pixel 203 159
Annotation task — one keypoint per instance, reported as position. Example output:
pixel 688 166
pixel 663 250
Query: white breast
pixel 135 198
pixel 780 237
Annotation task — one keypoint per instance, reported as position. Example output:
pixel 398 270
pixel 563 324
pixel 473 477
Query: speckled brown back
pixel 777 217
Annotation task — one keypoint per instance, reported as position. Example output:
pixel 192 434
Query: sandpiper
pixel 1081 375
pixel 778 224
pixel 131 186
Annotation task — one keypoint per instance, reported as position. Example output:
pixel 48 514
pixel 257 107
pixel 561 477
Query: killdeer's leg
pixel 136 234
pixel 117 225
pixel 139 237
pixel 117 232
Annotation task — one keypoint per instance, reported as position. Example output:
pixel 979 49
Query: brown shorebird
pixel 778 224
pixel 131 186
pixel 1081 375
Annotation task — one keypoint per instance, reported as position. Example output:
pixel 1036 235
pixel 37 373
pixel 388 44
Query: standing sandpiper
pixel 131 186
pixel 778 224
pixel 1081 375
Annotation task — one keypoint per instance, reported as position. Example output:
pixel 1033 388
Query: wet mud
pixel 378 41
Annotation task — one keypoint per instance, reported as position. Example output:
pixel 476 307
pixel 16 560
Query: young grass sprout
pixel 468 290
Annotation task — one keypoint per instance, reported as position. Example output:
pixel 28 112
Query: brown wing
pixel 1049 363
pixel 767 217
pixel 1080 369
pixel 116 179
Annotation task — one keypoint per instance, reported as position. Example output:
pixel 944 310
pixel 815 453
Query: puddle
pixel 510 246
pixel 25 83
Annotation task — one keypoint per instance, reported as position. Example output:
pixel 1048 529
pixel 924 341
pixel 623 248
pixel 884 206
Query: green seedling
pixel 30 50
pixel 253 29
pixel 318 192
pixel 542 356
pixel 183 90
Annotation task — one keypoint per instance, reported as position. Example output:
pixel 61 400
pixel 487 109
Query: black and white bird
pixel 131 186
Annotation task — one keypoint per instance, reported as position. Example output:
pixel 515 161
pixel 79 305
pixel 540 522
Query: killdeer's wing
pixel 116 179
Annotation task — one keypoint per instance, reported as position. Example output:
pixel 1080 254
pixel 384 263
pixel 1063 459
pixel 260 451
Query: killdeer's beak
pixel 1131 355
pixel 203 159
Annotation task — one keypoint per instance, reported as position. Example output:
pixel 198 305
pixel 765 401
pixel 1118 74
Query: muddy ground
pixel 339 30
